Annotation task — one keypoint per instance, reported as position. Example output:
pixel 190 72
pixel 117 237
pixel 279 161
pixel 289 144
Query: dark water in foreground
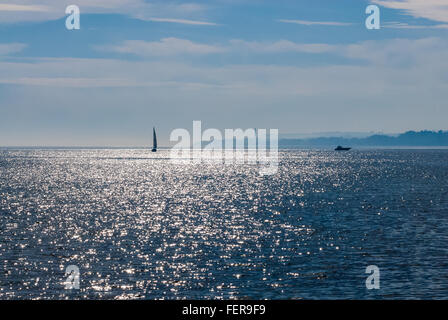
pixel 138 226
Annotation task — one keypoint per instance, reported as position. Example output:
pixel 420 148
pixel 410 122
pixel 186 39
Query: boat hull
pixel 345 149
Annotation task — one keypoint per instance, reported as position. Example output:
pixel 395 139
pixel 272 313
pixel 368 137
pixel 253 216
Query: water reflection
pixel 141 227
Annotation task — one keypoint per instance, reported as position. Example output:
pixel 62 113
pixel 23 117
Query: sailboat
pixel 154 140
pixel 339 148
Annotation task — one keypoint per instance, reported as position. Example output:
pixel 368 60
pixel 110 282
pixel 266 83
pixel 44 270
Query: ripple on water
pixel 141 227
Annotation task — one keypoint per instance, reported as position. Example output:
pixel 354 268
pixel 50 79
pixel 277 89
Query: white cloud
pixel 426 57
pixel 401 25
pixel 27 10
pixel 8 48
pixel 280 46
pixel 399 52
pixel 394 52
pixel 19 7
pixel 73 82
pixel 316 23
pixel 175 46
pixel 391 53
pixel 123 95
pixel 183 21
pixel 436 10
pixel 164 47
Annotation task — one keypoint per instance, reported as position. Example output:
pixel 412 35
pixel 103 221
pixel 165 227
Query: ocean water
pixel 140 227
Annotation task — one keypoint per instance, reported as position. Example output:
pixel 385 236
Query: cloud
pixel 436 10
pixel 316 23
pixel 401 25
pixel 398 52
pixel 427 55
pixel 393 52
pixel 18 7
pixel 27 10
pixel 169 11
pixel 168 47
pixel 164 47
pixel 73 82
pixel 183 21
pixel 90 99
pixel 280 46
pixel 77 82
pixel 8 48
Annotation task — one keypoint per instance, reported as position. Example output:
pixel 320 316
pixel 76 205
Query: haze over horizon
pixel 305 67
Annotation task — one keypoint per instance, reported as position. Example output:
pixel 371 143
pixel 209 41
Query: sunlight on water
pixel 140 226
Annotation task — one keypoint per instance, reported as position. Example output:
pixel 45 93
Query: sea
pixel 131 224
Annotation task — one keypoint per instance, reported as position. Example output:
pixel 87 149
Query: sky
pixel 302 66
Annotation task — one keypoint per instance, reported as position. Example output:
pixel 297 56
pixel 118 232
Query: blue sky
pixel 297 66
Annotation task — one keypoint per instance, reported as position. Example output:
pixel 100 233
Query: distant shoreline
pixel 281 148
pixel 434 139
pixel 408 140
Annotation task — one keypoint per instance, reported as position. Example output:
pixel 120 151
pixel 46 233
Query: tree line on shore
pixel 409 138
